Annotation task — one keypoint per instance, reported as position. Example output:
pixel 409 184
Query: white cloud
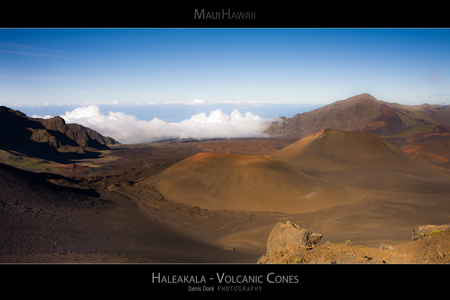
pixel 195 102
pixel 152 103
pixel 232 102
pixel 128 129
pixel 256 102
pixel 40 117
pixel 115 102
pixel 83 112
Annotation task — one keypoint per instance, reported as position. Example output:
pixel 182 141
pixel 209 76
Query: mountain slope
pixel 362 113
pixel 246 182
pixel 47 138
pixel 429 144
pixel 336 150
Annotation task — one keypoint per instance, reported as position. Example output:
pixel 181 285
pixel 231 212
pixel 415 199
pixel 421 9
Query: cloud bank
pixel 127 129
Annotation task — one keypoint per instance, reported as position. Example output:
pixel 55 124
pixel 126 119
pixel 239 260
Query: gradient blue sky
pixel 305 66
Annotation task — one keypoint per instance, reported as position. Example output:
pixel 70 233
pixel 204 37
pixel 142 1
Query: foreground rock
pixel 419 232
pixel 287 237
pixel 291 244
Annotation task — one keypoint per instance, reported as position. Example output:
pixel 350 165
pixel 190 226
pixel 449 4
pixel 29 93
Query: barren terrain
pixel 107 210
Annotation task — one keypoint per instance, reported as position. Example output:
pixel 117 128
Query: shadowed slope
pixel 50 139
pixel 246 182
pixel 336 150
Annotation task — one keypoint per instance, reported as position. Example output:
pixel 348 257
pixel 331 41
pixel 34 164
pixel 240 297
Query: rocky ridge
pixel 45 137
pixel 362 113
pixel 430 245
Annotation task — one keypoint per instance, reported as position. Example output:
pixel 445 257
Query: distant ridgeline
pixel 365 113
pixel 44 137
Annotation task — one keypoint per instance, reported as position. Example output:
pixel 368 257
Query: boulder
pixel 419 232
pixel 288 237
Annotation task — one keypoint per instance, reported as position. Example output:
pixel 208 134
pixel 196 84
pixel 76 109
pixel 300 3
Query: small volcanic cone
pixel 341 151
pixel 246 182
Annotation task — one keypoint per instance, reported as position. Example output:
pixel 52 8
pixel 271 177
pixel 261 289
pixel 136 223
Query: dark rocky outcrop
pixel 47 138
pixel 94 139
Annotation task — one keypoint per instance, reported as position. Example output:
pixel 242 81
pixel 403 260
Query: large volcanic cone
pixel 337 150
pixel 246 182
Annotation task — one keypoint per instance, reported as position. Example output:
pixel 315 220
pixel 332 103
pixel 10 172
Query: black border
pixel 273 15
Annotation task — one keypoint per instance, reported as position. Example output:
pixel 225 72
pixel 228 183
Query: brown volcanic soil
pixel 246 182
pixel 108 214
pixel 342 151
pixel 431 148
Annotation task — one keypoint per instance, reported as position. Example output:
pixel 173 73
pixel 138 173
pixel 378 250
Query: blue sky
pixel 306 66
pixel 141 85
